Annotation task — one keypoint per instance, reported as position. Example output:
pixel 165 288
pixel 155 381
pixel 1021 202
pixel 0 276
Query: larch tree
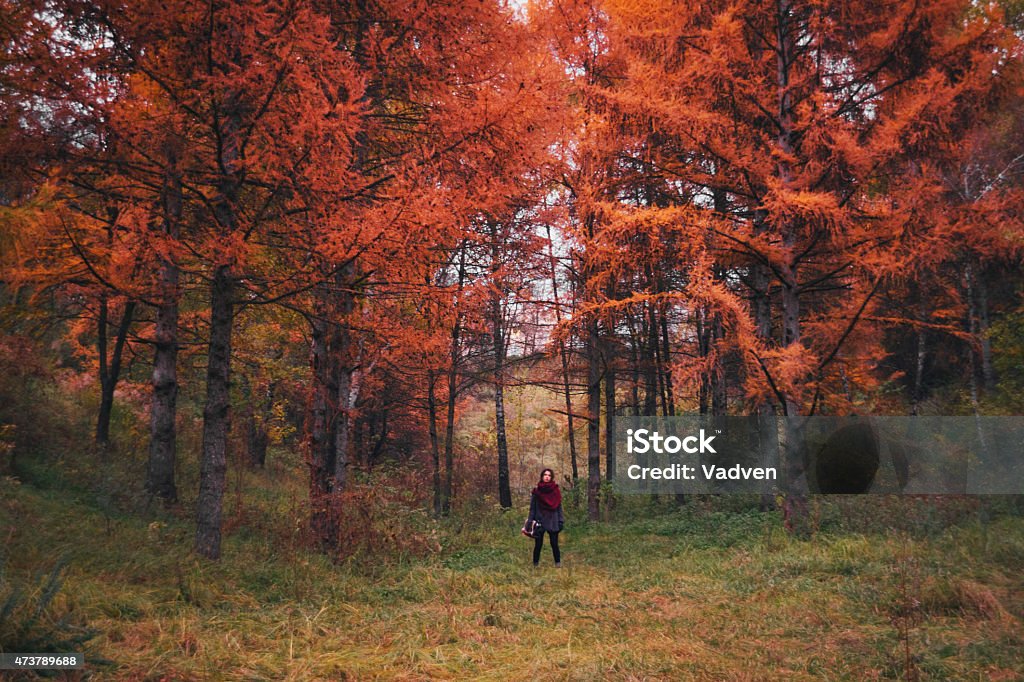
pixel 58 84
pixel 799 119
pixel 577 34
pixel 447 93
pixel 261 108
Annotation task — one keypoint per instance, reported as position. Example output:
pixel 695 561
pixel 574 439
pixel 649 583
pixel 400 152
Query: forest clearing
pixel 311 310
pixel 886 587
pixel 714 591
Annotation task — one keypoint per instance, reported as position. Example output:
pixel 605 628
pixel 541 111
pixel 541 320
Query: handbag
pixel 532 529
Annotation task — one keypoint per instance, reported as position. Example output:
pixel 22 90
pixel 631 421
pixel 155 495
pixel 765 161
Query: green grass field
pixel 885 589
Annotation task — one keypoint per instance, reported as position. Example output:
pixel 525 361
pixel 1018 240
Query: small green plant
pixel 576 495
pixel 609 498
pixel 32 621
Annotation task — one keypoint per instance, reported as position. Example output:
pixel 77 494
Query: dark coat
pixel 552 520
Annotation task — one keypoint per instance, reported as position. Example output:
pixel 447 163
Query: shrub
pixel 384 518
pixel 35 620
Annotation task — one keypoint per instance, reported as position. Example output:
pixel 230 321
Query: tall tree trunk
pixel 712 398
pixel 341 342
pixel 564 356
pixel 719 394
pixel 769 441
pixel 498 337
pixel 658 367
pixel 917 393
pixel 988 375
pixel 449 427
pixel 609 408
pixel 343 427
pixel 162 430
pixel 972 365
pixel 256 414
pixel 216 415
pixel 634 358
pixel 102 434
pixel 796 478
pixel 703 350
pixel 504 486
pixel 667 362
pixel 453 390
pixel 109 375
pixel 718 388
pixel 760 285
pixel 593 354
pixel 321 457
pixel 796 464
pixel 651 365
pixel 435 449
pixel 608 359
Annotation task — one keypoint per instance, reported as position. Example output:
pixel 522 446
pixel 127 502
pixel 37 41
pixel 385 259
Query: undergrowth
pixel 884 588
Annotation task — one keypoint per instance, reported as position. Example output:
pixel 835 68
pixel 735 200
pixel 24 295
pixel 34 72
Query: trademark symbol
pixel 718 431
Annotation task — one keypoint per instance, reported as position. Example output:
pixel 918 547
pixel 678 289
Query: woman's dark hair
pixel 541 479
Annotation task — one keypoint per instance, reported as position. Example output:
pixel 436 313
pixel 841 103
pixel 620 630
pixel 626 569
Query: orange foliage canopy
pixel 802 130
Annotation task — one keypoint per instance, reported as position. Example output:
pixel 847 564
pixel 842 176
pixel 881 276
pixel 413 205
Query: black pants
pixel 538 543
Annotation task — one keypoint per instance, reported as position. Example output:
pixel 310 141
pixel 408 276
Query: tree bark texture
pixel 216 416
pixel 593 352
pixel 163 410
pixel 110 374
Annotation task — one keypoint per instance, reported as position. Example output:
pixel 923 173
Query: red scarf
pixel 549 494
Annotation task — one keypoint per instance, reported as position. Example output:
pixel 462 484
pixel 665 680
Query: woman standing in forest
pixel 546 508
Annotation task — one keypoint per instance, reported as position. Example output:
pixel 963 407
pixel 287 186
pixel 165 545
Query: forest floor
pixel 885 588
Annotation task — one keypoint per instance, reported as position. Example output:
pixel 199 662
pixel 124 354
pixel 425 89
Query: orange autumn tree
pixel 294 155
pixel 451 91
pixel 576 33
pixel 57 83
pixel 979 181
pixel 795 126
pixel 238 117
